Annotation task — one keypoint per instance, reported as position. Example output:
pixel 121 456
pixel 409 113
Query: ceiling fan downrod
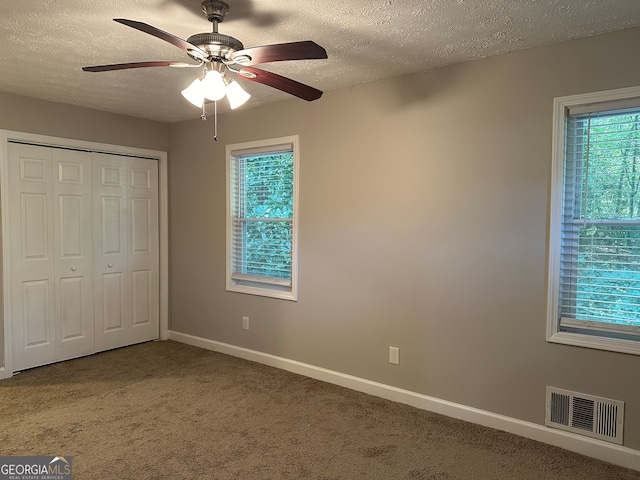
pixel 215 11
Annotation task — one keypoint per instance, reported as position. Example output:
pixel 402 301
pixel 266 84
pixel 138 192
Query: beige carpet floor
pixel 164 410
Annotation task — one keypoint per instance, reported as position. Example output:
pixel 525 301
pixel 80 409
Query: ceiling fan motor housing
pixel 217 45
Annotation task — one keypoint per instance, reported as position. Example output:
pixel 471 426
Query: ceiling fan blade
pixel 124 66
pixel 285 84
pixel 183 45
pixel 279 52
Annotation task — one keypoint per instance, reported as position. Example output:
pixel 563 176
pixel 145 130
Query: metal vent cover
pixel 595 417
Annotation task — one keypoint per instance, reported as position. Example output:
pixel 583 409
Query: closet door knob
pixel 110 265
pixel 73 269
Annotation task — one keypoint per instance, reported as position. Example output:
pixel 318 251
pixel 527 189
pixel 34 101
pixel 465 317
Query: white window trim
pixel 561 106
pixel 242 283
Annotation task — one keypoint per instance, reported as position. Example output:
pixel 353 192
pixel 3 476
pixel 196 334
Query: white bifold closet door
pixel 84 252
pixel 126 278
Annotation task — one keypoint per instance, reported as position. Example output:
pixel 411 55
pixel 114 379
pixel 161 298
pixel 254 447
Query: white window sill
pixel 601 343
pixel 271 291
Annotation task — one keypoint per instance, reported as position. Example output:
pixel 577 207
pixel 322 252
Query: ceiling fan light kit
pixel 214 86
pixel 236 95
pixel 194 93
pixel 221 56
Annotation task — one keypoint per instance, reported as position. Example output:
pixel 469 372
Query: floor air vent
pixel 588 415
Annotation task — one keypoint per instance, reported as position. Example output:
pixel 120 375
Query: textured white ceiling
pixel 44 43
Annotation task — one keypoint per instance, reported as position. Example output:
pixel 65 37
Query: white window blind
pixel 261 221
pixel 600 232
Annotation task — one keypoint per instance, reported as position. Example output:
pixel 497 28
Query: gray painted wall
pixel 30 115
pixel 423 224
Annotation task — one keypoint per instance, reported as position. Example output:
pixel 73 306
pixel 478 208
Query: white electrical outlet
pixel 245 323
pixel 394 355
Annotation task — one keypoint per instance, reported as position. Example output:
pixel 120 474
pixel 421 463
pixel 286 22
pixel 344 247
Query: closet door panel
pixel 141 294
pixel 113 295
pixel 36 324
pixel 141 227
pixel 143 254
pixel 111 289
pixel 73 245
pixel 34 241
pixel 31 262
pixel 71 309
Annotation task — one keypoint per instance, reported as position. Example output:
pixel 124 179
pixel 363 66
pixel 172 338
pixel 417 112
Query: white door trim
pixel 6 369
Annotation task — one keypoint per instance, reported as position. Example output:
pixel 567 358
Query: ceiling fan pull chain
pixel 215 121
pixel 203 117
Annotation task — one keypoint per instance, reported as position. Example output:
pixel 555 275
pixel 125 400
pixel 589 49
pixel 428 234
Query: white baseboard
pixel 4 373
pixel 618 455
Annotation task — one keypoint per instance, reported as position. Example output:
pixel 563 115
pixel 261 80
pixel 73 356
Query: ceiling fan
pixel 219 54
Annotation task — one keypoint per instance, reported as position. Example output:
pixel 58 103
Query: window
pixel 262 198
pixel 594 283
